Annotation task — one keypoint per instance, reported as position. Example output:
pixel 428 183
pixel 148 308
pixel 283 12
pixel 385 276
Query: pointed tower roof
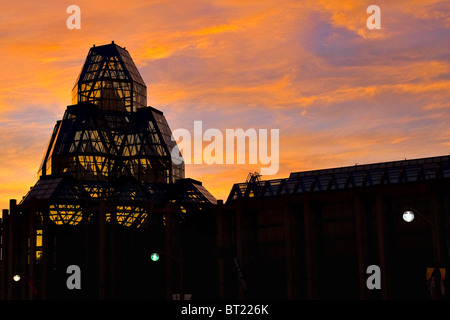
pixel 109 78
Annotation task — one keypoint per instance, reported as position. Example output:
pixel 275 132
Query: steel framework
pixel 107 195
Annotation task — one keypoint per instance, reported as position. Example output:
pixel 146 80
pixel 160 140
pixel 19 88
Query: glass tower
pixel 108 195
pixel 110 79
pixel 108 145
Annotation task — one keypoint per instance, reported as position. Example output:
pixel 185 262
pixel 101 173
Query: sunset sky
pixel 338 92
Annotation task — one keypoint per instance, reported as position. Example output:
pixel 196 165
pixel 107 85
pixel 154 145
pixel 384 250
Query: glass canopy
pixel 110 79
pixel 110 145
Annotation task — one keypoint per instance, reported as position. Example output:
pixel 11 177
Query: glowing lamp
pixel 154 257
pixel 408 216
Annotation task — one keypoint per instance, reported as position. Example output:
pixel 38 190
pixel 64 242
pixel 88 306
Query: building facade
pixel 314 234
pixel 108 195
pixel 111 203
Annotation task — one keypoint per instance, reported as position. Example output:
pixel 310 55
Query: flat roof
pixel 366 175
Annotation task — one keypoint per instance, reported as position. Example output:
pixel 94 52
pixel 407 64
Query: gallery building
pixel 314 234
pixel 108 200
pixel 110 203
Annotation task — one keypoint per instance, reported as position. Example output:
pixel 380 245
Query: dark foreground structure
pixel 110 200
pixel 314 235
pixel 108 196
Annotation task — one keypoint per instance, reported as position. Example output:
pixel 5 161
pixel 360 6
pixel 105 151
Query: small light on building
pixel 408 216
pixel 16 277
pixel 154 256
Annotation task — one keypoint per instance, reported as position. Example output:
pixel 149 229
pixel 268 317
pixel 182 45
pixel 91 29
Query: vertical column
pixel 101 249
pixel 86 252
pixel 220 246
pixel 169 234
pixel 10 256
pixel 45 251
pixel 361 243
pixel 32 249
pixel 382 249
pixel 113 245
pixel 239 248
pixel 310 249
pixel 438 242
pixel 288 225
pixel 22 240
pixel 4 248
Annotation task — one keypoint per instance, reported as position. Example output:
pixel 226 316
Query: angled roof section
pixel 96 145
pixel 56 188
pixel 129 65
pixel 190 191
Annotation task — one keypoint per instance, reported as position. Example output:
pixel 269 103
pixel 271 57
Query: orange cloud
pixel 398 140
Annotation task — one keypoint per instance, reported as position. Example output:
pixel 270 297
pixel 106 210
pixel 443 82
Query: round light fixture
pixel 16 277
pixel 154 256
pixel 408 216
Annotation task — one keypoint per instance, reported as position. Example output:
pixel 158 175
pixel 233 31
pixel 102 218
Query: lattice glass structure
pixel 109 145
pixel 65 213
pixel 97 145
pixel 108 195
pixel 109 132
pixel 110 79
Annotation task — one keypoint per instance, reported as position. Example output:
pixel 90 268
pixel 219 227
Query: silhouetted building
pixel 314 234
pixel 108 195
pixel 109 199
